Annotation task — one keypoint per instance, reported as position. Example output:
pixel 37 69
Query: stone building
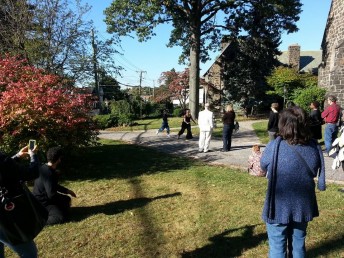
pixel 302 61
pixel 331 69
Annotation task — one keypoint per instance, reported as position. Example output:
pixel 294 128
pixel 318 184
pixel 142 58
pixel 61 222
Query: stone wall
pixel 331 70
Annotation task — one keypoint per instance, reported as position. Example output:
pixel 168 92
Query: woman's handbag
pixel 236 126
pixel 22 217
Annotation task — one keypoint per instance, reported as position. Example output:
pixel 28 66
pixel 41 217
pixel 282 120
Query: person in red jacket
pixel 331 116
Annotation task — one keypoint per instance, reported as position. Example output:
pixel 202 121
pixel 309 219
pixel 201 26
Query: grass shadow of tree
pixel 115 207
pixel 223 246
pixel 120 161
pixel 329 245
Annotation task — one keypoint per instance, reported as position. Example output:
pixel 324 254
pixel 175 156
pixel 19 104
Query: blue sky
pixel 154 57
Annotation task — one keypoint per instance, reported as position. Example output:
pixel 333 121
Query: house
pixel 214 75
pixel 331 69
pixel 303 61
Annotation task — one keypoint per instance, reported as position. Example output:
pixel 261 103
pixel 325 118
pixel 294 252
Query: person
pixel 14 174
pixel 228 119
pixel 290 104
pixel 164 124
pixel 315 120
pixel 292 161
pixel 49 192
pixel 186 124
pixel 254 168
pixel 206 124
pixel 273 121
pixel 330 116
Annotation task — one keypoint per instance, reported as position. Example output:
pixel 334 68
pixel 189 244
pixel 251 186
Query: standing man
pixel 206 124
pixel 331 115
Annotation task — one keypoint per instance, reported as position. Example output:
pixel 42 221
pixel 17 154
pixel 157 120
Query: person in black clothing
pixel 273 121
pixel 228 126
pixel 315 120
pixel 52 195
pixel 164 124
pixel 11 174
pixel 186 124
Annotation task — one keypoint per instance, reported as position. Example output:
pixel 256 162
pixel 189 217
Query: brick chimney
pixel 294 56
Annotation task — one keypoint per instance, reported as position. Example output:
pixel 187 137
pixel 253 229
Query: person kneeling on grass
pixel 254 168
pixel 53 196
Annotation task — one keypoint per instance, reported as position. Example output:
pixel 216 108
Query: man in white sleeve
pixel 206 124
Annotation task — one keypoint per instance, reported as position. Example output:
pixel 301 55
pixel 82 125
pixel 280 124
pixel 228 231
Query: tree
pixel 284 81
pixel 37 105
pixel 58 42
pixel 103 63
pixel 195 25
pixel 111 88
pixel 178 85
pixel 301 88
pixel 15 23
pixel 254 53
pixel 304 96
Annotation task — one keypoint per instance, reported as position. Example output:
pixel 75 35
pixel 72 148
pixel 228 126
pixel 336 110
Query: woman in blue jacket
pixel 292 161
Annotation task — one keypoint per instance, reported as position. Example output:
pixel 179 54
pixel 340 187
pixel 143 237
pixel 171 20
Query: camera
pixel 32 144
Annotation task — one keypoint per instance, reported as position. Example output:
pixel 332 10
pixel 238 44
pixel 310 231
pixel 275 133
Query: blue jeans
pixel 227 136
pixel 163 126
pixel 25 250
pixel 279 234
pixel 331 131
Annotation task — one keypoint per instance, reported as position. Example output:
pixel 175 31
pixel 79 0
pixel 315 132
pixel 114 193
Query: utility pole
pixel 153 88
pixel 95 65
pixel 141 72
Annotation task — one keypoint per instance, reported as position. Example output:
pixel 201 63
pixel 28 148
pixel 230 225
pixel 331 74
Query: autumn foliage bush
pixel 36 105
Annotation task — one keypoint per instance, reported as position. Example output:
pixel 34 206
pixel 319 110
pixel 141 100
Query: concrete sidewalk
pixel 237 157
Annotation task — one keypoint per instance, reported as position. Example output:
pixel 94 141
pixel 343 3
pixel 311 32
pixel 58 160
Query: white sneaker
pixel 157 132
pixel 168 136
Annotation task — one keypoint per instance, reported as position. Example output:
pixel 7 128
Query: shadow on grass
pixel 111 208
pixel 223 246
pixel 120 160
pixel 327 246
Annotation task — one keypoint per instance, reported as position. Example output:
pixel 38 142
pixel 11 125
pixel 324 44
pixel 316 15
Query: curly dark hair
pixel 293 126
pixel 54 153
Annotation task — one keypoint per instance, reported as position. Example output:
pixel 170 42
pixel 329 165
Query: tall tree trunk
pixel 194 75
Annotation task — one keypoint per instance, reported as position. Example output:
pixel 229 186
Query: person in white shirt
pixel 206 124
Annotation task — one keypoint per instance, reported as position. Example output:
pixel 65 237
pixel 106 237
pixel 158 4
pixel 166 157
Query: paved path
pixel 237 157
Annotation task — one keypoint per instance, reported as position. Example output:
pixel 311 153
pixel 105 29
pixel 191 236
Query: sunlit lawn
pixel 136 202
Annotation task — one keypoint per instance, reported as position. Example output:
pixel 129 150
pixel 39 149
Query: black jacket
pixel 13 172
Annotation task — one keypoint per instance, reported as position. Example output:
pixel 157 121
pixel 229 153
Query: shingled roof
pixel 309 60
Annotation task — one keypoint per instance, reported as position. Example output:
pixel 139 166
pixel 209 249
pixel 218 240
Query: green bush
pixel 177 112
pixel 303 97
pixel 123 110
pixel 106 121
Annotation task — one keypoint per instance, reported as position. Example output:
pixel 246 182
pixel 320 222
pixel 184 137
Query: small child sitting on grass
pixel 254 168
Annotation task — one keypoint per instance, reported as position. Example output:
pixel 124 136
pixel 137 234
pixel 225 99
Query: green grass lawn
pixel 136 202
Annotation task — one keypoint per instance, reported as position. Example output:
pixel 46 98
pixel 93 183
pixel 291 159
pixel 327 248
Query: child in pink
pixel 254 162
